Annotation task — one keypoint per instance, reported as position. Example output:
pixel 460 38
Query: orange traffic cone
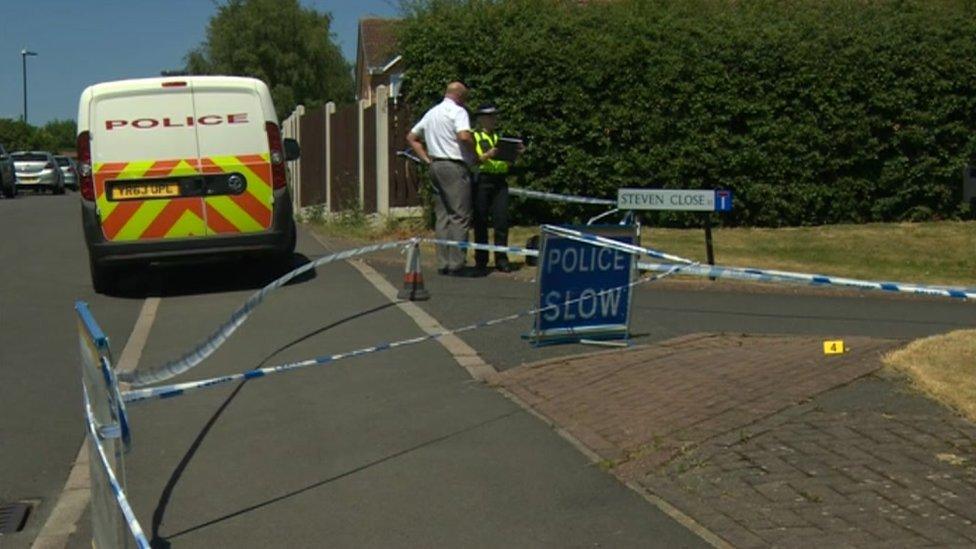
pixel 413 277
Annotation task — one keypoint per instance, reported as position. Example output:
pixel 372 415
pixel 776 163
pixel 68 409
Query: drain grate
pixel 13 516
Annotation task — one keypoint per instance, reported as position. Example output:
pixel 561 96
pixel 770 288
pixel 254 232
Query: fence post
pixel 330 109
pixel 293 129
pixel 363 104
pixel 382 150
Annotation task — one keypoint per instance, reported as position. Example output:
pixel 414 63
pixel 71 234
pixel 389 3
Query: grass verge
pixel 943 367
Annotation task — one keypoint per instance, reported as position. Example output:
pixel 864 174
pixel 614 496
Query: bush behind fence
pixel 811 111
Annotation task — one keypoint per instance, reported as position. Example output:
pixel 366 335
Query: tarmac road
pixel 43 270
pixel 669 308
pixel 398 448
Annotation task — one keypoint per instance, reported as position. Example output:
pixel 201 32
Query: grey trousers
pixel 452 206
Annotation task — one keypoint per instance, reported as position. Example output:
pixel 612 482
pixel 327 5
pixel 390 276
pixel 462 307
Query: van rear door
pixel 233 142
pixel 145 161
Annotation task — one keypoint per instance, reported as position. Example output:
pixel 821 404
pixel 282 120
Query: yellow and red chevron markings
pixel 156 218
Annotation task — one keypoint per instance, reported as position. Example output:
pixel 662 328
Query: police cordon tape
pixel 760 274
pixel 130 517
pixel 178 389
pixel 203 350
pixel 739 273
pixel 209 346
pixel 526 193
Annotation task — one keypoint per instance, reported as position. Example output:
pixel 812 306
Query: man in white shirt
pixel 449 151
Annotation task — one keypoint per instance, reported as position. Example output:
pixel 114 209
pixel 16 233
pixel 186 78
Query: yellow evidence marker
pixel 834 347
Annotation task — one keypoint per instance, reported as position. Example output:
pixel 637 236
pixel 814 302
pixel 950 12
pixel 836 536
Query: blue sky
pixel 81 42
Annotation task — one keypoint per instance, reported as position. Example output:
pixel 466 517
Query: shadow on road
pixel 157 542
pixel 205 277
pixel 160 512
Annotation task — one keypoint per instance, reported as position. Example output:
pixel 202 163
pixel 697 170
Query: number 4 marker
pixel 835 347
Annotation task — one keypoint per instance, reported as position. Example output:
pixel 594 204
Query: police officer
pixel 490 189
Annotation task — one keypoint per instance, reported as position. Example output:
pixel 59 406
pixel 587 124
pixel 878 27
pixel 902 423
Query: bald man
pixel 442 139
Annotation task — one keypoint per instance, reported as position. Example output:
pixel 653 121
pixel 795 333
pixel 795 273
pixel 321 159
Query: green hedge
pixel 811 111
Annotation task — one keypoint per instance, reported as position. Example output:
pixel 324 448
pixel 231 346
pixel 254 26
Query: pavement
pixel 403 448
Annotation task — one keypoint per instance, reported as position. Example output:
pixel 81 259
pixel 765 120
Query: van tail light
pixel 277 155
pixel 85 185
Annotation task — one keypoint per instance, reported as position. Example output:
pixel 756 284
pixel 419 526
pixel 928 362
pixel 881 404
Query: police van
pixel 184 167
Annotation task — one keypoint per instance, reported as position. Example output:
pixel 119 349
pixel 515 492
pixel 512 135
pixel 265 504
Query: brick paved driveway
pixel 765 441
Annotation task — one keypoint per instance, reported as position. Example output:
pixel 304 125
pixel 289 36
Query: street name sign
pixel 675 199
pixel 586 287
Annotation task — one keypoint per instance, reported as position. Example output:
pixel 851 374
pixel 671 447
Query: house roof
pixel 378 41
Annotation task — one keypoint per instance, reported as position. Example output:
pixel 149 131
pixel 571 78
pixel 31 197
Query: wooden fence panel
pixel 404 175
pixel 313 165
pixel 345 157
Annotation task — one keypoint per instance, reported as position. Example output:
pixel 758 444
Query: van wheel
pixel 103 277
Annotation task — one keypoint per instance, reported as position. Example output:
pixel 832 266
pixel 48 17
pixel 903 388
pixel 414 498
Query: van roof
pixel 156 83
pixel 138 84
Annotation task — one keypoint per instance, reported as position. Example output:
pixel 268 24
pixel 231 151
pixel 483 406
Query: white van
pixel 179 167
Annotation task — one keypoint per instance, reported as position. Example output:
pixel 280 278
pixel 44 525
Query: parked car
pixel 38 170
pixel 177 168
pixel 8 181
pixel 70 170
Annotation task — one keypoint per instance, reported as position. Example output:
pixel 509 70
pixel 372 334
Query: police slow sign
pixel 584 287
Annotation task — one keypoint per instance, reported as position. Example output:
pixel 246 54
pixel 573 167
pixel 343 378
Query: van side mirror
pixel 292 150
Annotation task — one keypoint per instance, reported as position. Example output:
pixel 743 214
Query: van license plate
pixel 145 190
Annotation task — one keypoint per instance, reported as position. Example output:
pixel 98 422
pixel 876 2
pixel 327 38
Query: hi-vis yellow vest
pixel 484 141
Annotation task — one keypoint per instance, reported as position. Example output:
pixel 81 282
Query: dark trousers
pixel 490 201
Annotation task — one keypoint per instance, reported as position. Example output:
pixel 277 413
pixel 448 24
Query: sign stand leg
pixel 709 251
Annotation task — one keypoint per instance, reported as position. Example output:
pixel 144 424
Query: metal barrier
pixel 113 522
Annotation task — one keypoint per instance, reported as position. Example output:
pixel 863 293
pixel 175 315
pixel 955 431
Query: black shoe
pixel 467 273
pixel 504 267
pixel 443 271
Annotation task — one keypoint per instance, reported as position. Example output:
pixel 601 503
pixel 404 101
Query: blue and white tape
pixel 130 517
pixel 540 195
pixel 760 274
pixel 211 344
pixel 517 250
pixel 179 389
pixel 594 239
pixel 206 348
pixel 765 275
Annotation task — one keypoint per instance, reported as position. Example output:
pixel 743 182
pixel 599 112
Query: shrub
pixel 811 111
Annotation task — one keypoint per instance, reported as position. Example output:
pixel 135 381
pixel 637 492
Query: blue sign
pixel 723 201
pixel 585 287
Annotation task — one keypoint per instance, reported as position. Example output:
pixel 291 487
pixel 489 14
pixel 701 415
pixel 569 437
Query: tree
pixel 55 136
pixel 59 134
pixel 287 46
pixel 15 135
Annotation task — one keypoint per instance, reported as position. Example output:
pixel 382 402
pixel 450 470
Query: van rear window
pixel 62 161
